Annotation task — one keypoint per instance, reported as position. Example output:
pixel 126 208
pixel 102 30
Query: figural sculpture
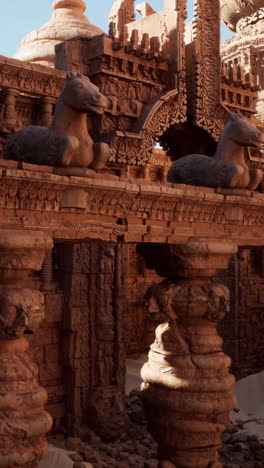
pixel 228 167
pixel 67 141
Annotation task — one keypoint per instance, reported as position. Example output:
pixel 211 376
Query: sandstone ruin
pixel 107 259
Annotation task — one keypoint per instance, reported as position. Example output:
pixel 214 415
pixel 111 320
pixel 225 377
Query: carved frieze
pixel 32 204
pixel 27 80
pixel 250 20
pixel 206 69
pixel 29 196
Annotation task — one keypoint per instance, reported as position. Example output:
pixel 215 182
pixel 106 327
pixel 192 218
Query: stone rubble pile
pixel 137 449
pixel 241 450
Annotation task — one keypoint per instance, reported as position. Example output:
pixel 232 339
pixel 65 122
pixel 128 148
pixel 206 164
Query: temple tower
pixel 246 47
pixel 67 21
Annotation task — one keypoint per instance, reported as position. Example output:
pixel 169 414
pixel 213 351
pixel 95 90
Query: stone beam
pixel 115 208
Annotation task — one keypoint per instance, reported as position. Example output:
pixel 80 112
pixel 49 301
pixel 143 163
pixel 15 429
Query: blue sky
pixel 18 17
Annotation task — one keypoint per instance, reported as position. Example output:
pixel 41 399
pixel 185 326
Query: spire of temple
pixel 67 21
pixel 234 10
pixel 246 47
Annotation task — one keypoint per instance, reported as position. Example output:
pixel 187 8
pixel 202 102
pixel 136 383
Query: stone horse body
pixel 67 141
pixel 228 167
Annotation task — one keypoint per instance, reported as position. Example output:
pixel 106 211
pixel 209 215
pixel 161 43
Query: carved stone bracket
pixel 24 422
pixel 187 385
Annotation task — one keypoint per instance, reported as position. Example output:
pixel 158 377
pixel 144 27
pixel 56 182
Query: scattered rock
pixel 241 450
pixel 137 449
pixel 73 443
pixel 90 455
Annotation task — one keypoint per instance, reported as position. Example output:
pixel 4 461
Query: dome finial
pixel 67 21
pixel 70 5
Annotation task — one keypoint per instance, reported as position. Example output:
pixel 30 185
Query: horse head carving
pixel 82 95
pixel 228 167
pixel 67 141
pixel 243 132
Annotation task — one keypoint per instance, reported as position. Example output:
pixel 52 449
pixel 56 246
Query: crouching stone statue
pixel 67 141
pixel 228 167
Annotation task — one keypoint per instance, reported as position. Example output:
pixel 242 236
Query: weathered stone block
pixel 54 307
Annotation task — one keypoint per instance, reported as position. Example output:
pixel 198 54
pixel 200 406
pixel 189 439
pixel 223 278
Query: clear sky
pixel 18 17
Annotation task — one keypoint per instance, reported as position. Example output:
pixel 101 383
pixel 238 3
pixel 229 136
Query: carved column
pixel 23 420
pixel 106 401
pixel 47 111
pixel 10 122
pixel 94 333
pixel 187 385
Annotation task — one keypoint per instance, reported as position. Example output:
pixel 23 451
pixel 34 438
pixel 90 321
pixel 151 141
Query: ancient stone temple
pixel 246 48
pixel 112 246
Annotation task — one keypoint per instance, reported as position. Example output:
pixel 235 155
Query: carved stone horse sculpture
pixel 67 141
pixel 228 167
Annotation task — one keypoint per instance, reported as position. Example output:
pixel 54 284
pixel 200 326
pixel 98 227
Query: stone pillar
pixel 10 123
pixel 47 111
pixel 23 420
pixel 94 351
pixel 187 384
pixel 106 401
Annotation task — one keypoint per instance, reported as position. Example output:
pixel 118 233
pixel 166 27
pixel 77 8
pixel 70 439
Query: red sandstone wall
pixel 243 328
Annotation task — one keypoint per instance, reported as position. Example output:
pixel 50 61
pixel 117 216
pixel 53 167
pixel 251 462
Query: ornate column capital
pixel 198 258
pixel 202 257
pixel 21 253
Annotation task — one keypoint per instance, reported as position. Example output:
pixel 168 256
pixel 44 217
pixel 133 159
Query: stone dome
pixel 68 20
pixel 234 10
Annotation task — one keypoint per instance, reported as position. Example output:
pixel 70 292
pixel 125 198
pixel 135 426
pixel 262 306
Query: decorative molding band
pixel 28 78
pixel 115 208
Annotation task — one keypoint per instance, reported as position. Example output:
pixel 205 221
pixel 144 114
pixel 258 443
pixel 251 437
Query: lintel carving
pixel 29 78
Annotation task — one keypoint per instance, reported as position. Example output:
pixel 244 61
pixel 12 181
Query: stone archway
pixel 136 148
